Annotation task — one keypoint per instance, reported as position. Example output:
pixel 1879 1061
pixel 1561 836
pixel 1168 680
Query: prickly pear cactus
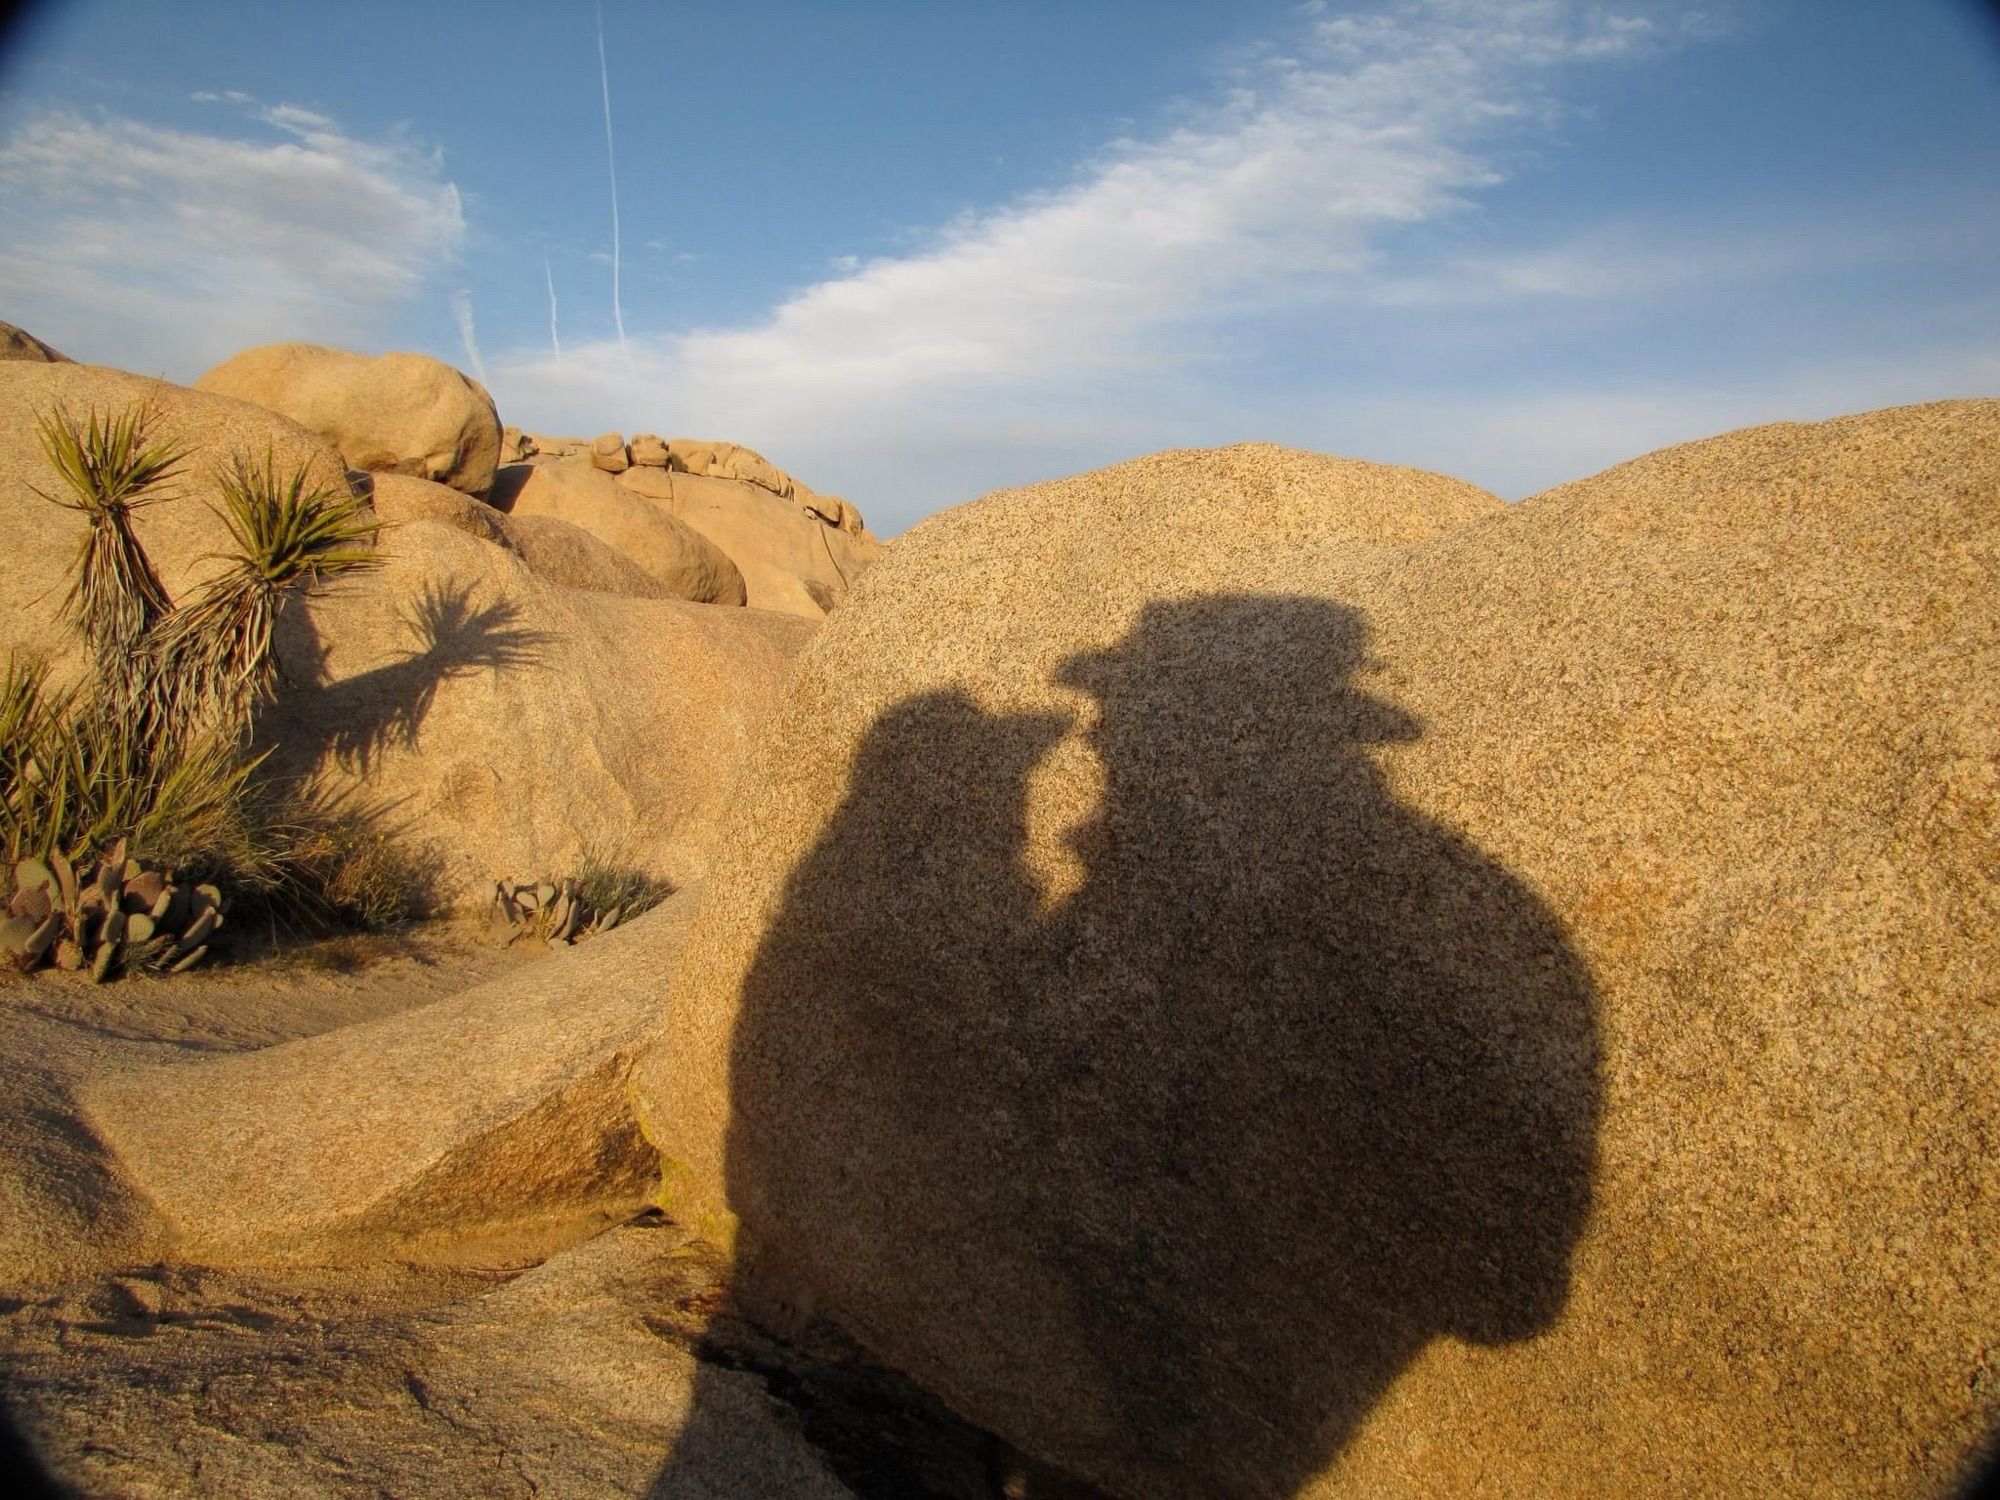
pixel 119 916
pixel 554 911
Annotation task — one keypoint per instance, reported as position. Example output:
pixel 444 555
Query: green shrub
pixel 151 754
pixel 110 470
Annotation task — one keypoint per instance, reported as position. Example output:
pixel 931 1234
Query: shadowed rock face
pixel 1182 1172
pixel 18 343
pixel 1347 985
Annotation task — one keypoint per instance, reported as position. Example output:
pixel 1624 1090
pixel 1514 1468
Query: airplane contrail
pixel 611 156
pixel 461 308
pixel 555 337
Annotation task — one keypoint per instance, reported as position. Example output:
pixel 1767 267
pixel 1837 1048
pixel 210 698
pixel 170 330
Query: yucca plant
pixel 213 661
pixel 111 468
pixel 151 755
pixel 34 720
pixel 75 776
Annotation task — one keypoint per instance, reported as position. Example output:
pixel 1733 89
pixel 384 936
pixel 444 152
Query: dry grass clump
pixel 342 870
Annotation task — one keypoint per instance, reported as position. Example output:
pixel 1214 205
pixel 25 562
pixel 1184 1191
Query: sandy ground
pixel 63 1210
pixel 614 1368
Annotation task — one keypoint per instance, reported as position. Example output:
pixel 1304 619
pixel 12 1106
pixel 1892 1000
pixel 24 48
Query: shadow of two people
pixel 1169 1182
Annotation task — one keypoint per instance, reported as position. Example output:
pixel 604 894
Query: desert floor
pixel 611 1368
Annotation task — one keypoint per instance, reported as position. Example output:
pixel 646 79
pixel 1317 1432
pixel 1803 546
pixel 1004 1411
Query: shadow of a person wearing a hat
pixel 1171 1182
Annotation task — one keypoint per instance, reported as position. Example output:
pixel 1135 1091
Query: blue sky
pixel 913 252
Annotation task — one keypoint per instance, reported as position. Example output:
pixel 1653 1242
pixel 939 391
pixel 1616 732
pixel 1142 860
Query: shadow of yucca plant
pixel 151 755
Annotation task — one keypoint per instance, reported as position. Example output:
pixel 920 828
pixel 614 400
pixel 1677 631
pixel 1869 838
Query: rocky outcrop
pixel 504 1114
pixel 1344 988
pixel 18 343
pixel 608 453
pixel 552 549
pixel 398 498
pixel 396 414
pixel 508 721
pixel 799 552
pixel 831 509
pixel 679 557
pixel 790 560
pixel 571 556
pixel 515 445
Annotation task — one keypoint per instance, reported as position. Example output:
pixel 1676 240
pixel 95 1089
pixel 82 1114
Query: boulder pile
pixel 797 550
pixel 686 564
pixel 515 690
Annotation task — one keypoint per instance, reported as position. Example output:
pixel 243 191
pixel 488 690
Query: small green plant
pixel 606 884
pixel 595 900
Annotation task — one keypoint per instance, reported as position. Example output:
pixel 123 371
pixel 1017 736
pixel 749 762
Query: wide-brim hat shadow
pixel 1286 657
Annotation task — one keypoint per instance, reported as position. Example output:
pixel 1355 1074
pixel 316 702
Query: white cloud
pixel 170 249
pixel 1635 261
pixel 1288 185
pixel 468 335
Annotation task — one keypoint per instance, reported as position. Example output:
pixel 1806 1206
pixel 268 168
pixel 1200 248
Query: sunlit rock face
pixel 1261 975
pixel 798 552
pixel 488 698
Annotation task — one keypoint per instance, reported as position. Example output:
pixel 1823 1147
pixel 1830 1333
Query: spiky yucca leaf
pixel 28 709
pixel 32 720
pixel 110 469
pixel 284 531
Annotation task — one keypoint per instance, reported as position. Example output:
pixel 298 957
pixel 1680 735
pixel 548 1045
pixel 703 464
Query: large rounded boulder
pixel 556 550
pixel 1346 988
pixel 392 414
pixel 518 725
